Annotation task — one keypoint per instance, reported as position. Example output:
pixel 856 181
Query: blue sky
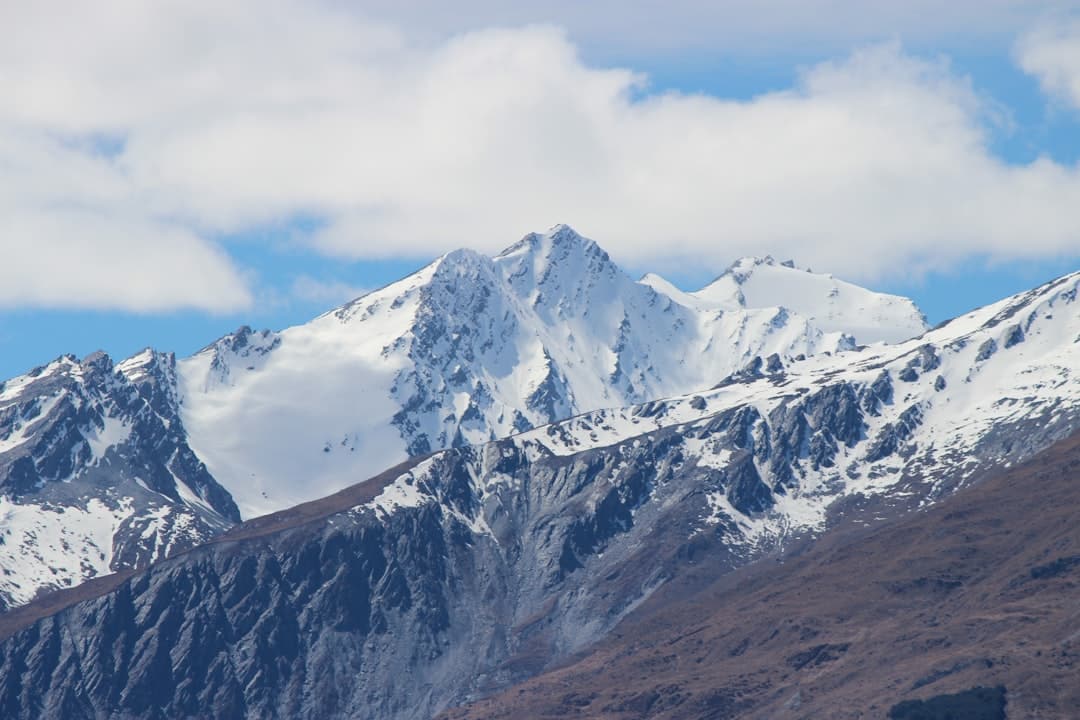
pixel 255 175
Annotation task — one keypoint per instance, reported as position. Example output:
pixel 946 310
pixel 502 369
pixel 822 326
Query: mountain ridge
pixel 480 566
pixel 472 348
pixel 467 349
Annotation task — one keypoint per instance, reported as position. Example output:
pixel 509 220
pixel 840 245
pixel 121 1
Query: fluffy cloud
pixel 74 233
pixel 1052 54
pixel 80 259
pixel 149 128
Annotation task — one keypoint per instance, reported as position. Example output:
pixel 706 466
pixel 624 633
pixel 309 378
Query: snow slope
pixel 778 454
pixel 832 305
pixel 473 348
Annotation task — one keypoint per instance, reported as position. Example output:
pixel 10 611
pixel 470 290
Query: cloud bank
pixel 133 136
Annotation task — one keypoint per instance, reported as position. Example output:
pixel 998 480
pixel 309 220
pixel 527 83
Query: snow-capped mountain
pixel 467 350
pixel 473 348
pixel 459 573
pixel 832 305
pixel 96 475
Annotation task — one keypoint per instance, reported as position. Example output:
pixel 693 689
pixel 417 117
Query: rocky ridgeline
pixel 97 475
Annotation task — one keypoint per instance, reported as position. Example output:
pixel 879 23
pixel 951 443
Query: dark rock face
pixel 812 428
pixel 880 392
pixel 746 491
pixel 979 703
pixel 1014 336
pixel 926 359
pixel 242 632
pixel 893 435
pixel 987 349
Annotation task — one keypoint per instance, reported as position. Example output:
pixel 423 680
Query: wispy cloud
pixel 324 292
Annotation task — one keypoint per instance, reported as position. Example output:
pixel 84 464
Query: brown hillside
pixel 982 589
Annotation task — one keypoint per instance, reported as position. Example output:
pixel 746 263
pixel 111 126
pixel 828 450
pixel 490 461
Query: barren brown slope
pixel 982 589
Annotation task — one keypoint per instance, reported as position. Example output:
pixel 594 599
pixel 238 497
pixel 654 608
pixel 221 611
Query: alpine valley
pixel 481 473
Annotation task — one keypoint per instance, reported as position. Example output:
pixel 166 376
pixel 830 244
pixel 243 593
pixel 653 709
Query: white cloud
pixel 324 292
pixel 225 116
pixel 1052 54
pixel 631 27
pixel 66 258
pixel 73 233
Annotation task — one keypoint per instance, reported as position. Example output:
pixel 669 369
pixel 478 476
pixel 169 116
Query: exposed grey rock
pixel 1014 336
pixel 987 349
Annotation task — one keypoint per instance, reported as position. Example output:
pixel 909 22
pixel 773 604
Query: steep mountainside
pixel 977 591
pixel 96 474
pixel 473 348
pixel 458 574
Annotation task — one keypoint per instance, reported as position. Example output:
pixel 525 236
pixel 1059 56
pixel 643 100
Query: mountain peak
pixel 561 238
pixel 834 305
pixel 99 360
pixel 566 237
pixel 461 256
pixel 563 233
pixel 462 262
pixel 558 263
pixel 741 269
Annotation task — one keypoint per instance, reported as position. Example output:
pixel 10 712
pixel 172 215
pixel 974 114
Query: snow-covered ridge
pixel 472 348
pixel 95 475
pixel 783 452
pixel 832 305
